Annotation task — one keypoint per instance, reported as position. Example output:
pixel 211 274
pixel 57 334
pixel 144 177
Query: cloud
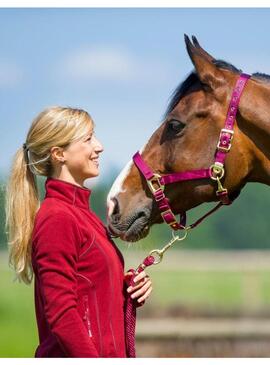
pixel 107 63
pixel 99 63
pixel 10 74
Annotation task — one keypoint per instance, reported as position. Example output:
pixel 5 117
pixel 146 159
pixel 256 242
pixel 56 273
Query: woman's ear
pixel 57 154
pixel 207 71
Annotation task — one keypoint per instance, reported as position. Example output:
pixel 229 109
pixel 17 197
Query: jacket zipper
pixel 111 287
pixel 114 343
pixel 86 314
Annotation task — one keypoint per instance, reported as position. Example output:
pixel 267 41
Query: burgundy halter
pixel 215 172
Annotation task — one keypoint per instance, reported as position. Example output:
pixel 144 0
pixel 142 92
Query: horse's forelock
pixel 180 91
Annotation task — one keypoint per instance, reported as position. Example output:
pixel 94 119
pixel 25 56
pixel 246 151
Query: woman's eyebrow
pixel 89 134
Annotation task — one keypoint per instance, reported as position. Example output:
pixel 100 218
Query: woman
pixel 79 272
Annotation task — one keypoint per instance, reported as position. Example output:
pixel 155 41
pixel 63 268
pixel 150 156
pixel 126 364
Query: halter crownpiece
pixel 215 172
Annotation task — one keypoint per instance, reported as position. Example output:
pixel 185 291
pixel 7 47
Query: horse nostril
pixel 115 212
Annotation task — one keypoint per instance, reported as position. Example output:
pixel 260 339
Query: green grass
pixel 18 332
pixel 218 291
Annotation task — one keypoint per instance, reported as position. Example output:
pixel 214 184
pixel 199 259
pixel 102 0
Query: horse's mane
pixel 193 78
pixel 181 90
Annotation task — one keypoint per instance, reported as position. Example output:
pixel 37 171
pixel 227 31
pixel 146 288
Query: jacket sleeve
pixel 56 256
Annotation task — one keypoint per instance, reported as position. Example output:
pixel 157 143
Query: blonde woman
pixel 78 270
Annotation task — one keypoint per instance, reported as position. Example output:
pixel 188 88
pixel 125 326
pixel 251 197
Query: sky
pixel 119 64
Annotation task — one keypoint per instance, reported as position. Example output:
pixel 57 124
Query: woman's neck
pixel 66 176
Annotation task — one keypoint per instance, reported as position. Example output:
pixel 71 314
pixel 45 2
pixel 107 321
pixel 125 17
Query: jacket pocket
pixel 89 309
pixel 86 316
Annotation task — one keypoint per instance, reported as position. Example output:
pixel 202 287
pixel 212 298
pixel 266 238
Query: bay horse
pixel 188 140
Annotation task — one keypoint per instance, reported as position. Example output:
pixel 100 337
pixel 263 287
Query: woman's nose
pixel 98 146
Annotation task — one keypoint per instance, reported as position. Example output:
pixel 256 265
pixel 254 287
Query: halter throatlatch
pixel 216 172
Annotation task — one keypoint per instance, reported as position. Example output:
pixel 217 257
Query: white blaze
pixel 117 186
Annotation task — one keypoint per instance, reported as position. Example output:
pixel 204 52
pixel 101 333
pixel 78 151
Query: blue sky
pixel 121 65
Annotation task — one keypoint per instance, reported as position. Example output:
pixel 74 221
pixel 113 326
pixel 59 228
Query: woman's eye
pixel 175 126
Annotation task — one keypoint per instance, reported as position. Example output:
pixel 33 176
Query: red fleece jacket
pixel 79 278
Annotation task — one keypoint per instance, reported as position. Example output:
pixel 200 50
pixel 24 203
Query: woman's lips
pixel 95 161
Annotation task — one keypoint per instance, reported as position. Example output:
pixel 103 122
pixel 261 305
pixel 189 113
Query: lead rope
pixel 131 304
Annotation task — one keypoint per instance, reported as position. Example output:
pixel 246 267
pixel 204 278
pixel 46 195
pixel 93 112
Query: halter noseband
pixel 157 183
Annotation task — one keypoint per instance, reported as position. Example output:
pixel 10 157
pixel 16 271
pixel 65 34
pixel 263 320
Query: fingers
pixel 146 295
pixel 139 285
pixel 140 278
pixel 129 273
pixel 142 290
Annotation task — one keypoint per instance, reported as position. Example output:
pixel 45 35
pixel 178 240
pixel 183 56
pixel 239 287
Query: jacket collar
pixel 70 193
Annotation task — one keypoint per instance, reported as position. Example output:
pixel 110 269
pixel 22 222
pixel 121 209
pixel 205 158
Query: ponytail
pixel 22 203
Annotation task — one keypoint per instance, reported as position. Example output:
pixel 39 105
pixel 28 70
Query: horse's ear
pixel 198 46
pixel 207 71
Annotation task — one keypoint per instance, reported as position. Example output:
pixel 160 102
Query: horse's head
pixel 186 140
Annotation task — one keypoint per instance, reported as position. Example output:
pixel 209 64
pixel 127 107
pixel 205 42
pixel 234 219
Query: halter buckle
pixel 223 148
pixel 166 212
pixel 155 179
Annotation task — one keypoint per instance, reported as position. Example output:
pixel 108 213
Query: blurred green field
pixel 225 291
pixel 18 334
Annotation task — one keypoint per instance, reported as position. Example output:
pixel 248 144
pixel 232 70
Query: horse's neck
pixel 255 124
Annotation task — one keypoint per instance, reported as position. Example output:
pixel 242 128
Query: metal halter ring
pixel 216 171
pixel 177 238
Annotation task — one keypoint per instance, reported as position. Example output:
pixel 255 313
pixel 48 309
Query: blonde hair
pixel 55 126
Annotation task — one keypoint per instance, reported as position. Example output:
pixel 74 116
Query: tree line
pixel 242 225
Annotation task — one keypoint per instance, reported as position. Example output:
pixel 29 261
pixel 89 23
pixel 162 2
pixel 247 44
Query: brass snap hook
pixel 158 254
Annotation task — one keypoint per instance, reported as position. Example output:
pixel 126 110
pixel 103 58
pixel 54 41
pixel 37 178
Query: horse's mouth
pixel 133 229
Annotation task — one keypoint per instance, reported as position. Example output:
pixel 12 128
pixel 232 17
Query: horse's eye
pixel 175 126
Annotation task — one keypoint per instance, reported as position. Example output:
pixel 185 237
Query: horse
pixel 188 140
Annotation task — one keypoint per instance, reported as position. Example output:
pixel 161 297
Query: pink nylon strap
pixel 226 134
pixel 184 176
pixel 171 178
pixel 131 306
pixel 224 198
pixel 142 166
pixel 165 210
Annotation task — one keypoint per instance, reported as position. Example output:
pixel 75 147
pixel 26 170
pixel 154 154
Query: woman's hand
pixel 142 288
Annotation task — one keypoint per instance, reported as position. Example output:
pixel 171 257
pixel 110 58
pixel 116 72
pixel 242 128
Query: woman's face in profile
pixel 82 157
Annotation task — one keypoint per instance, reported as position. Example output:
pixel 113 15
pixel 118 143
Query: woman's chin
pixel 93 173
